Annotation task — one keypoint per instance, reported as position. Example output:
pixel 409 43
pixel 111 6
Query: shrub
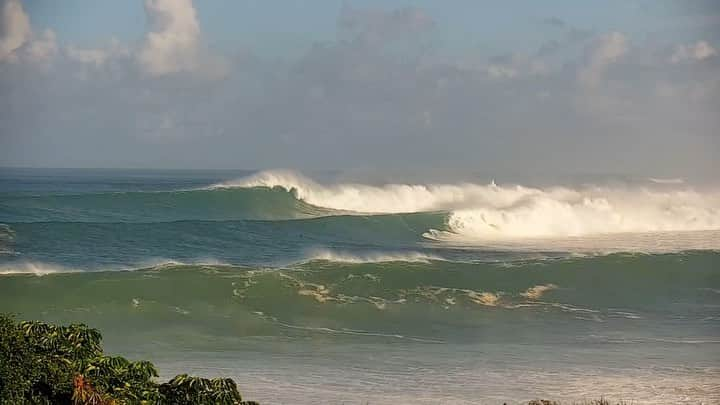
pixel 42 363
pixel 185 389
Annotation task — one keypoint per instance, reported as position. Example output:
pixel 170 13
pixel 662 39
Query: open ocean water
pixel 337 291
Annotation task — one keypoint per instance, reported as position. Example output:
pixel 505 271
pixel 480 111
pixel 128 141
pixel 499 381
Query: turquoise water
pixel 352 292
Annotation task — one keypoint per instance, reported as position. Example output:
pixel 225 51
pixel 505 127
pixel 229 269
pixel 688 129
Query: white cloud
pixel 502 71
pixel 41 49
pixel 607 50
pixel 698 51
pixel 172 45
pixel 97 56
pixel 15 28
pixel 515 66
pixel 17 40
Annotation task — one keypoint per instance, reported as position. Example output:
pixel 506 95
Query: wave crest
pixel 371 257
pixel 488 212
pixel 36 268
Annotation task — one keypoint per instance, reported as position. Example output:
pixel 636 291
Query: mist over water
pixel 608 285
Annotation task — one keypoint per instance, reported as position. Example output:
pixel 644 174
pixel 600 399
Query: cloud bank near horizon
pixel 383 93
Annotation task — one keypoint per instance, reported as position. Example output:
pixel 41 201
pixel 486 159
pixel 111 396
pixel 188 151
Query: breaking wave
pixel 159 206
pixel 491 211
pixel 461 213
pixel 371 257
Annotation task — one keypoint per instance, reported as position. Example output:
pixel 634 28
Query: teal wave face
pixel 433 300
pixel 159 206
pixel 239 242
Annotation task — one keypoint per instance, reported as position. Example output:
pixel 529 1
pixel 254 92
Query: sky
pixel 559 86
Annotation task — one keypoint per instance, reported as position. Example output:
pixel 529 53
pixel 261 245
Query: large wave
pixel 461 213
pixel 491 211
pixel 593 286
pixel 158 206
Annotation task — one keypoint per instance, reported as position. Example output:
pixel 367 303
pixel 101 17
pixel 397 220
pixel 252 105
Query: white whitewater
pixel 496 212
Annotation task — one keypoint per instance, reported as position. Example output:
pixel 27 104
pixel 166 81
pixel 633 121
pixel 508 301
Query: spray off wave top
pixel 487 212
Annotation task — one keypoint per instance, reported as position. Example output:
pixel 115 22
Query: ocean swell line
pixel 489 212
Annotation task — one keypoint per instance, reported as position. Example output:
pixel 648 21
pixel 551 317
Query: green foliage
pixel 130 382
pixel 84 393
pixel 76 342
pixel 17 370
pixel 49 364
pixel 185 389
pixel 59 353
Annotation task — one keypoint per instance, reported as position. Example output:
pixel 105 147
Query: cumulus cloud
pixel 41 49
pixel 607 50
pixel 14 28
pixel 514 66
pixel 701 50
pixel 17 40
pixel 172 43
pixel 97 57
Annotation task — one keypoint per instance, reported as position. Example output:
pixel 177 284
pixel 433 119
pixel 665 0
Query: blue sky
pixel 628 86
pixel 275 25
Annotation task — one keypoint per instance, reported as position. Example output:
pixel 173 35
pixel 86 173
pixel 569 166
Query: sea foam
pixel 371 257
pixel 36 268
pixel 491 211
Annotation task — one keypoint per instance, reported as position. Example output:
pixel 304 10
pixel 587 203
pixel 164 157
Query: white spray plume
pixel 493 211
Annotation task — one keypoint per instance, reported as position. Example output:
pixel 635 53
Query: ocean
pixel 326 288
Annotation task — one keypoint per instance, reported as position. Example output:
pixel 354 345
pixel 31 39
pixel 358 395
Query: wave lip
pixel 36 268
pixel 371 257
pixel 39 268
pixel 363 198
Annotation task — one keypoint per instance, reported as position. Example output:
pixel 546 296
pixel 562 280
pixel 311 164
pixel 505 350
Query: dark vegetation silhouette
pixel 42 363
